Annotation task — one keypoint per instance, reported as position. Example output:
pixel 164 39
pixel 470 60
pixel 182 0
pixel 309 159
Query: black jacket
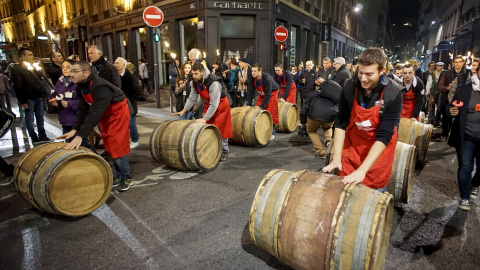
pixel 322 105
pixel 269 87
pixel 103 93
pixel 25 84
pixel 389 112
pixel 54 72
pixel 310 76
pixel 289 80
pixel 106 71
pixel 417 91
pixel 172 75
pixel 131 88
pixel 342 75
pixel 326 74
pixel 457 132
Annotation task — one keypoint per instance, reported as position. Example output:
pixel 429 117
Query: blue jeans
pixel 382 190
pixel 37 107
pixel 85 143
pixel 274 132
pixel 122 168
pixel 225 146
pixel 187 116
pixel 466 155
pixel 133 128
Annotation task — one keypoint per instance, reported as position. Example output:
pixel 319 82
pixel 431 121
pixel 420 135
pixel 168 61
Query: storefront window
pixel 123 41
pixel 237 37
pixel 188 37
pixel 141 43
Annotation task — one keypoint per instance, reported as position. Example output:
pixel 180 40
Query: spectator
pixel 103 68
pixel 182 92
pixel 244 75
pixel 342 73
pixel 143 73
pixel 130 67
pixel 55 71
pixel 131 88
pixel 172 76
pixel 308 79
pixel 217 68
pixel 231 80
pixel 327 71
pixel 30 95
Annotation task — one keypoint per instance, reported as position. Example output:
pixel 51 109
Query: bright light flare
pixel 173 55
pixel 218 52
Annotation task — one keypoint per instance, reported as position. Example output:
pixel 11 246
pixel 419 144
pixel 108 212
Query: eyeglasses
pixel 74 71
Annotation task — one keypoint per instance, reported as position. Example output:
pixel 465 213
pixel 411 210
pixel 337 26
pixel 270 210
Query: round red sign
pixel 153 16
pixel 281 34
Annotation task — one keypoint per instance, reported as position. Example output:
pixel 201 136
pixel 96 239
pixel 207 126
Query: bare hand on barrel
pixel 281 100
pixel 67 135
pixel 356 177
pixel 454 111
pixel 201 120
pixel 180 113
pixel 413 119
pixel 74 144
pixel 332 166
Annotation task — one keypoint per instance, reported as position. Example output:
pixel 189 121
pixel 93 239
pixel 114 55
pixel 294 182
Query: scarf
pixel 231 83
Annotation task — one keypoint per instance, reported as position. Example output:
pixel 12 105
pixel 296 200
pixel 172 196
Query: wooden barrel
pixel 186 145
pixel 288 117
pixel 418 134
pixel 251 127
pixel 64 182
pixel 311 220
pixel 403 170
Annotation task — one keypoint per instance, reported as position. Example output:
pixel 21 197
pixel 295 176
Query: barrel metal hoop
pixel 181 143
pixel 423 141
pixel 194 143
pixel 253 125
pixel 341 230
pixel 412 135
pixel 364 228
pixel 379 212
pixel 158 133
pixel 244 124
pixel 400 177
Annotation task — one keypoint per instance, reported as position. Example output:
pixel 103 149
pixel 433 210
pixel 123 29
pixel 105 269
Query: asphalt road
pixel 186 220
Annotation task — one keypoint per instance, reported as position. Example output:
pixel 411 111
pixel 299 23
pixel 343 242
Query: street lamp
pixel 358 7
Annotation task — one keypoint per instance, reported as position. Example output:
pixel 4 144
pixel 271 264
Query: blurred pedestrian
pixel 217 68
pixel 143 73
pixel 341 72
pixel 244 76
pixel 55 70
pixel 326 71
pixel 102 67
pixel 231 79
pixel 308 78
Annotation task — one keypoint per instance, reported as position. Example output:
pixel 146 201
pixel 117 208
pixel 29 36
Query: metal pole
pixel 155 71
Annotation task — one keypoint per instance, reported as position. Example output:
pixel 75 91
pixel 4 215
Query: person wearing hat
pixel 431 90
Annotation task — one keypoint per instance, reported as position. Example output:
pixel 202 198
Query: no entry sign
pixel 153 16
pixel 281 34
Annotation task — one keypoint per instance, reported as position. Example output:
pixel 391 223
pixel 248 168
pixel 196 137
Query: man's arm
pixel 192 98
pixel 18 86
pixel 419 97
pixel 215 93
pixel 441 83
pixel 102 99
pixel 250 92
pixel 289 80
pixel 390 119
pixel 267 89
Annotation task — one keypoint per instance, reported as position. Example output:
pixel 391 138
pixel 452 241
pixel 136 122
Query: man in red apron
pixel 288 90
pixel 413 93
pixel 267 93
pixel 102 102
pixel 366 124
pixel 216 110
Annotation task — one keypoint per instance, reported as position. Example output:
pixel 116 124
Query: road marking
pixel 162 241
pixel 142 185
pixel 432 143
pixel 32 248
pixel 108 217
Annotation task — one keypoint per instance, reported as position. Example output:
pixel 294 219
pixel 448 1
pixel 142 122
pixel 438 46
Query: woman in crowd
pixel 231 81
pixel 182 91
pixel 217 68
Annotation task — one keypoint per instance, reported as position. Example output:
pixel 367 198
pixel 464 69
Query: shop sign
pixel 326 32
pixel 237 5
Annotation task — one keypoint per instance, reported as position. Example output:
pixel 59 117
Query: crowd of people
pixel 357 106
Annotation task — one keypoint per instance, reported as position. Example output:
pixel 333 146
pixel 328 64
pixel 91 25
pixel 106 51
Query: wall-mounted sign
pixel 238 5
pixel 326 32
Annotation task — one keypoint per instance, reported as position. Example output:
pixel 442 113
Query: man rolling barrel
pixel 267 93
pixel 366 124
pixel 104 103
pixel 288 90
pixel 412 94
pixel 216 110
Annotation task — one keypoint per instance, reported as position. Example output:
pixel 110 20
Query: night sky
pixel 401 12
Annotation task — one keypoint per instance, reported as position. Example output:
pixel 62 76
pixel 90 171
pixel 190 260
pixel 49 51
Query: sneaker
pixel 272 137
pixel 36 141
pixel 116 182
pixel 45 139
pixel 125 185
pixel 133 145
pixel 474 194
pixel 464 205
pixel 224 156
pixel 327 143
pixel 322 156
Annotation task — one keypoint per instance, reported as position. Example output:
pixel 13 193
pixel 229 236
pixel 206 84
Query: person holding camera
pixel 319 111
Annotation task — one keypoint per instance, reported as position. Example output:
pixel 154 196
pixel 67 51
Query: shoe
pixel 224 156
pixel 125 185
pixel 474 194
pixel 133 145
pixel 104 154
pixel 45 139
pixel 116 182
pixel 443 139
pixel 322 156
pixel 272 137
pixel 464 205
pixel 327 143
pixel 36 141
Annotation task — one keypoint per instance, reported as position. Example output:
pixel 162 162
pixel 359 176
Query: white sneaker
pixel 133 144
pixel 273 137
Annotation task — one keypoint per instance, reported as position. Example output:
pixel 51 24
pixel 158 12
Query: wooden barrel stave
pixel 251 127
pixel 353 219
pixel 288 117
pixel 418 134
pixel 403 169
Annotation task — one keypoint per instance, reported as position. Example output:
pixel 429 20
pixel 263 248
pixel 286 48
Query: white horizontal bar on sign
pixel 278 34
pixel 149 16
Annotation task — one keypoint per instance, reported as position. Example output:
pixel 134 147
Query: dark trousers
pixel 446 120
pixel 146 83
pixel 36 108
pixel 5 168
pixel 467 154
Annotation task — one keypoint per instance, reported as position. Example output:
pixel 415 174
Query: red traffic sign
pixel 281 34
pixel 153 16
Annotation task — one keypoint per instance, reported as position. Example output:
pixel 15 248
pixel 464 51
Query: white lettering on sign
pixel 237 5
pixel 151 16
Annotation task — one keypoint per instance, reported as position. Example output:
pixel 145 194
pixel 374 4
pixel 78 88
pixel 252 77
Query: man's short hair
pixel 399 67
pixel 52 55
pixel 257 66
pixel 327 59
pixel 431 62
pixel 198 67
pixel 459 57
pixel 70 61
pixel 278 65
pixel 22 51
pixel 96 48
pixel 340 60
pixel 371 56
pixel 476 60
pixel 197 53
pixel 408 66
pixel 122 60
pixel 84 66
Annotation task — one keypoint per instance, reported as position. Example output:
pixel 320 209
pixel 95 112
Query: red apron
pixel 409 102
pixel 221 118
pixel 292 95
pixel 272 106
pixel 114 126
pixel 359 139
